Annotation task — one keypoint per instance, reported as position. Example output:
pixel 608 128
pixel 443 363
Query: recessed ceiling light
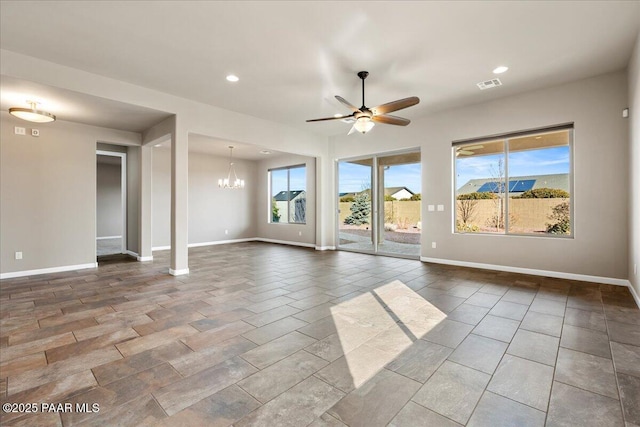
pixel 265 152
pixel 158 145
pixel 499 70
pixel 337 115
pixel 232 78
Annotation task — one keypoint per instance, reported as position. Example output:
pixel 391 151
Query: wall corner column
pixel 144 204
pixel 179 199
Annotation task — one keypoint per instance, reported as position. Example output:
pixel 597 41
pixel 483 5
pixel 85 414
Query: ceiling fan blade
pixel 395 105
pixel 352 130
pixel 348 104
pixel 330 118
pixel 391 120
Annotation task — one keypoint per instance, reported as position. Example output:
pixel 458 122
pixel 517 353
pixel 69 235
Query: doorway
pixel 379 204
pixel 111 203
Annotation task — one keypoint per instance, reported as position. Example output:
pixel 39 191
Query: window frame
pixel 271 197
pixel 506 137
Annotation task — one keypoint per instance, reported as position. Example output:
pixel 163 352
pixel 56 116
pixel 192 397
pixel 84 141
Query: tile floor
pixel 270 335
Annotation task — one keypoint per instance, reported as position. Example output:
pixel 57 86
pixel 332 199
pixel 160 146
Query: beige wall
pixel 600 159
pixel 161 198
pixel 634 165
pixel 48 190
pixel 212 210
pixel 109 200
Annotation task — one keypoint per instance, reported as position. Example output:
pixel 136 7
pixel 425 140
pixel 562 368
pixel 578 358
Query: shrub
pixel 544 193
pixel 347 199
pixel 467 228
pixel 388 198
pixel 413 198
pixel 562 224
pixel 476 196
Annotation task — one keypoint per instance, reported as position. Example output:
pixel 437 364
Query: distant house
pixel 296 200
pixel 397 193
pixel 517 184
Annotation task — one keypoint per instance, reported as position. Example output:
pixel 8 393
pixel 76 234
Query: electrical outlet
pixel 19 131
pixel 433 245
pixel 299 233
pixel 226 231
pixel 35 132
pixel 18 255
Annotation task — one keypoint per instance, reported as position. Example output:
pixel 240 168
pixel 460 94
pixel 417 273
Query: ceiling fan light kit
pixel 366 118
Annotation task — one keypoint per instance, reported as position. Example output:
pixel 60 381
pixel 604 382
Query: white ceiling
pixel 293 57
pixel 78 107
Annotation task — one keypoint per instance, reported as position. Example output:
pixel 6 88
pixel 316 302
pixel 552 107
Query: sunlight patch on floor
pixel 375 328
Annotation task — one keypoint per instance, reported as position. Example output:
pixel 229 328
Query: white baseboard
pixel 634 294
pixel 144 258
pixel 220 242
pixel 284 242
pixel 531 271
pixel 24 273
pixel 131 253
pixel 325 248
pixel 180 272
pixel 160 248
pixel 108 237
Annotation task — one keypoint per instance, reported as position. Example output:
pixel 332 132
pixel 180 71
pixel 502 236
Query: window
pixel 515 184
pixel 288 195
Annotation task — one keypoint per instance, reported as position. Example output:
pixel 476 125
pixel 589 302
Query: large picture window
pixel 515 184
pixel 288 190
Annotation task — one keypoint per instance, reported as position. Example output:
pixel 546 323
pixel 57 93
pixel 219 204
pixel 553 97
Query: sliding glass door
pixel 355 205
pixel 379 207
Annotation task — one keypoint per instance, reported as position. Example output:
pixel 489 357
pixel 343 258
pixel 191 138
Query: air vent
pixel 489 84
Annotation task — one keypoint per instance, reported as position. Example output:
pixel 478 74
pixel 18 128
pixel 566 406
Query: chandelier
pixel 227 182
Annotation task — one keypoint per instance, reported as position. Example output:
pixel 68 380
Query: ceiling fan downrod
pixel 363 75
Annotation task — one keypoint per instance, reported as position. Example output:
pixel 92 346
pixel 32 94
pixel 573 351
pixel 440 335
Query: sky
pixel 533 162
pixel 354 177
pixel 297 179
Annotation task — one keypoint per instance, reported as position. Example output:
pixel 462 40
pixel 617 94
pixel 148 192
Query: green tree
pixel 360 210
pixel 275 211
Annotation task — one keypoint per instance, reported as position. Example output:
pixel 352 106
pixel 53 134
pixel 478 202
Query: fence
pixel 525 215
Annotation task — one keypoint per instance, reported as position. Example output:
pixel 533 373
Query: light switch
pixel 440 208
pixel 19 131
pixel 431 208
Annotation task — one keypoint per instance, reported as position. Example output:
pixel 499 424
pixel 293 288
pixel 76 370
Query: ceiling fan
pixel 365 118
